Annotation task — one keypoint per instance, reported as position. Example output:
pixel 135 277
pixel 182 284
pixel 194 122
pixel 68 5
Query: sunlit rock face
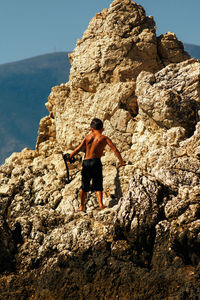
pixel 145 244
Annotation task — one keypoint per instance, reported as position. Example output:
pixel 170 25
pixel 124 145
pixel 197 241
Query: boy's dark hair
pixel 96 124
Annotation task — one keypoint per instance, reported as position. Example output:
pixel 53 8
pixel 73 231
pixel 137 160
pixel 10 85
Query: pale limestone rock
pixel 162 100
pixel 5 190
pixel 109 45
pixel 170 49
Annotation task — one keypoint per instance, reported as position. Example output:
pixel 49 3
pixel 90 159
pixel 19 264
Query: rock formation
pixel 145 245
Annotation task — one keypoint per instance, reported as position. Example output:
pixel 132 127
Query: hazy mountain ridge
pixel 24 88
pixel 193 50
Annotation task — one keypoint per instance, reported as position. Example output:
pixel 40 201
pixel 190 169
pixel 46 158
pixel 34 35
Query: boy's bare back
pixel 95 144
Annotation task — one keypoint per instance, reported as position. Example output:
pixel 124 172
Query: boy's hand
pixel 123 163
pixel 68 157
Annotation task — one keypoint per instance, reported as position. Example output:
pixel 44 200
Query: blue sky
pixel 32 27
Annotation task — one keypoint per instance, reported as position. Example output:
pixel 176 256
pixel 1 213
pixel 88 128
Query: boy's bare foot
pixel 81 208
pixel 102 206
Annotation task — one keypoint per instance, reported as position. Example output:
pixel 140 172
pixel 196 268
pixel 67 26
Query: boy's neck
pixel 95 131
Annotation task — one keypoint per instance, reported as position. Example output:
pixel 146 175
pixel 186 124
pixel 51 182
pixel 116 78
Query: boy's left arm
pixel 116 151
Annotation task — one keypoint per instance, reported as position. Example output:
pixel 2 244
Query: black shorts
pixel 92 170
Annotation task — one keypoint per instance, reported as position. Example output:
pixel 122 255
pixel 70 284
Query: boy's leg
pixel 100 199
pixel 83 196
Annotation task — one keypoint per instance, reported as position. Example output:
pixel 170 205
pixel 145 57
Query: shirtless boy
pixel 94 143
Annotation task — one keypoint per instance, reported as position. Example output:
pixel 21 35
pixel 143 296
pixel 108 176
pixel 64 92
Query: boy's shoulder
pixel 105 139
pixel 105 136
pixel 88 135
pixel 102 136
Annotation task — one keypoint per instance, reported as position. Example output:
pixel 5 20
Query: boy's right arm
pixel 78 149
pixel 116 151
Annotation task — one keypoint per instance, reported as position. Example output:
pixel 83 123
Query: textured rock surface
pixel 171 97
pixel 145 245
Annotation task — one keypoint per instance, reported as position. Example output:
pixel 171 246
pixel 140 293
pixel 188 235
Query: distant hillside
pixel 24 89
pixel 193 50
